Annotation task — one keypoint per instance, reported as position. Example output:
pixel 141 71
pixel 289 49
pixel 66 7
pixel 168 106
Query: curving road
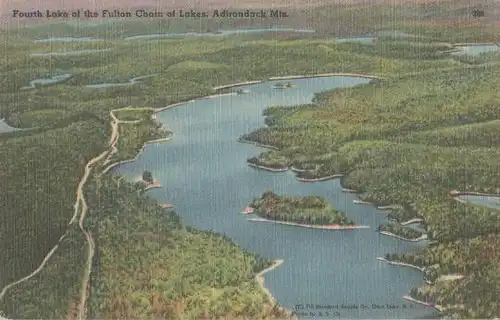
pixel 79 213
pixel 82 310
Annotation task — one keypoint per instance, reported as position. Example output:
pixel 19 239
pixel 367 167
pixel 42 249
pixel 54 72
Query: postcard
pixel 244 159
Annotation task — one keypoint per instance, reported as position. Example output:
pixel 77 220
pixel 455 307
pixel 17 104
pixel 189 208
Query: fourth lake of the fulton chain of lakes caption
pixel 273 13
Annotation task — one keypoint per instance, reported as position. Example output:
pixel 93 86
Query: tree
pixel 147 176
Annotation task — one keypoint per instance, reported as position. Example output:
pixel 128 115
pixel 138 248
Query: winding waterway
pixel 204 171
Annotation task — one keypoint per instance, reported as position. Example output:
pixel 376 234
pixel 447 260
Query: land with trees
pixel 401 231
pixel 147 176
pixel 310 210
pixel 407 139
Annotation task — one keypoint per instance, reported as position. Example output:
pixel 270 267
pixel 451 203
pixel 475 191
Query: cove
pixel 205 174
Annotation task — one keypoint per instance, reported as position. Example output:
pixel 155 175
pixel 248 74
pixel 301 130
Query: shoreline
pixel 401 264
pixel 389 207
pixel 166 205
pixel 333 176
pixel 158 140
pixel 427 304
pixel 267 168
pixel 319 75
pixel 390 234
pixel 152 185
pixel 292 168
pixel 237 84
pixel 117 164
pixel 260 145
pixel 412 221
pixel 250 82
pixel 310 226
pixel 362 202
pixel 259 278
pixel 347 190
pixel 218 95
pixel 456 193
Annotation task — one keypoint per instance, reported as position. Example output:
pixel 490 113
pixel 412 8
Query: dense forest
pixel 305 210
pixel 407 139
pixel 148 264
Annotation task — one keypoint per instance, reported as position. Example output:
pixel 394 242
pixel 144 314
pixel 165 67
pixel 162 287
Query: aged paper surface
pixel 244 159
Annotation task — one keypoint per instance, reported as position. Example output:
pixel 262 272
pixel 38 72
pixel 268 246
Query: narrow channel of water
pixel 204 173
pixel 130 82
pixel 475 50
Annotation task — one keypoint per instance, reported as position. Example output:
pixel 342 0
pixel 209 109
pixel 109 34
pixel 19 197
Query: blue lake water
pixel 486 201
pixel 219 33
pixel 204 171
pixel 476 50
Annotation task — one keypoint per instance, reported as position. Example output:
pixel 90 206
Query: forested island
pixel 309 210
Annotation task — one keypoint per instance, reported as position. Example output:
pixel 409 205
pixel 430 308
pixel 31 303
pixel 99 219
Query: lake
pixel 486 201
pixel 205 174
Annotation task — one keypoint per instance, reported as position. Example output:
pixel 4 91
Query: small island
pixel 283 85
pixel 148 182
pixel 309 210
